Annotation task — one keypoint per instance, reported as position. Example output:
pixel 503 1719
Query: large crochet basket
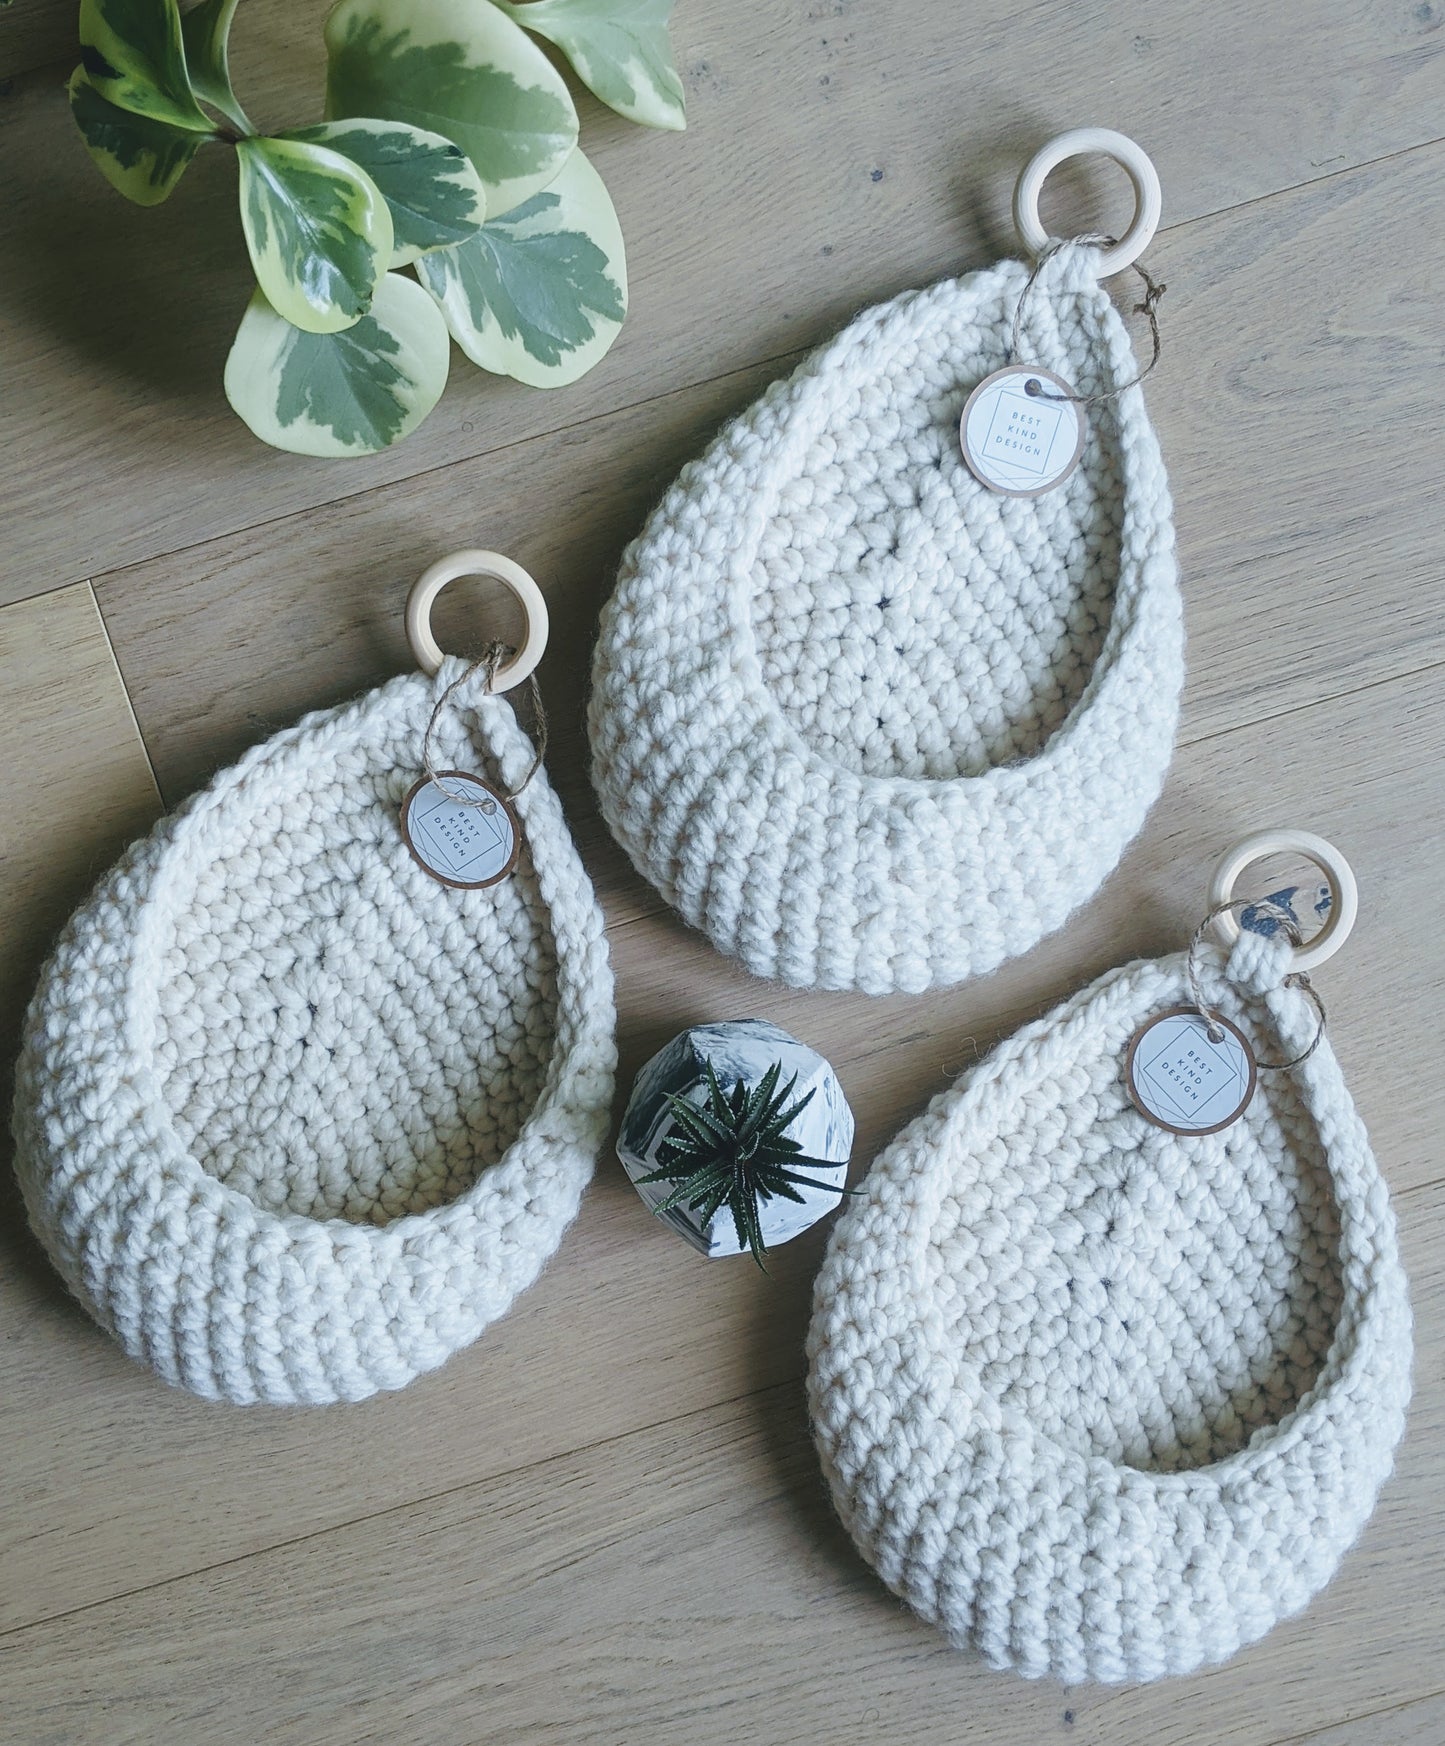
pixel 864 722
pixel 294 1120
pixel 1103 1401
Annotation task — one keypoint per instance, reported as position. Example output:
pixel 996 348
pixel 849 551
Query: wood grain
pixel 1308 565
pixel 134 1483
pixel 838 150
pixel 1417 1724
pixel 686 1583
pixel 604 1522
pixel 34 33
pixel 77 782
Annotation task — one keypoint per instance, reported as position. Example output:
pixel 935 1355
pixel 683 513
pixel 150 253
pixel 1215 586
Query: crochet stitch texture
pixel 1106 1402
pixel 864 722
pixel 294 1120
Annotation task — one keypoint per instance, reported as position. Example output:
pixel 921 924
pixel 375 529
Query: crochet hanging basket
pixel 295 1120
pixel 865 722
pixel 1104 1401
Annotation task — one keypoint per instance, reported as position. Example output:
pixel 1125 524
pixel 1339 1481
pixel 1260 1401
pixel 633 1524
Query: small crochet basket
pixel 1104 1401
pixel 294 1120
pixel 863 720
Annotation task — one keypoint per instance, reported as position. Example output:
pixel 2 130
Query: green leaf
pixel 698 1125
pixel 460 69
pixel 717 1101
pixel 133 54
pixel 434 194
pixel 771 1177
pixel 141 157
pixel 777 1123
pixel 772 1187
pixel 706 1207
pixel 761 1096
pixel 716 1179
pixel 206 35
pixel 539 294
pixel 707 1121
pixel 349 393
pixel 318 230
pixel 620 49
pixel 743 1205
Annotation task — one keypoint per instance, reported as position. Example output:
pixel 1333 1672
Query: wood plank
pixel 1309 566
pixel 604 1522
pixel 78 785
pixel 1417 1724
pixel 837 152
pixel 689 1583
pixel 229 640
pixel 34 33
pixel 116 1482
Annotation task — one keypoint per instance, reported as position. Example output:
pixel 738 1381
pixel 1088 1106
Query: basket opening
pixel 329 1047
pixel 912 623
pixel 1159 1301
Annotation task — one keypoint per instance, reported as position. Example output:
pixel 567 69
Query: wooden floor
pixel 604 1522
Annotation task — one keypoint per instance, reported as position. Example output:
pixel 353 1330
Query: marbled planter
pixel 742 1049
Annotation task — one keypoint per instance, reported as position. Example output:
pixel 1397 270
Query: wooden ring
pixel 1344 891
pixel 430 583
pixel 1080 142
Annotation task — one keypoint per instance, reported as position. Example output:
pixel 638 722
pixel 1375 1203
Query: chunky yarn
pixel 294 1120
pixel 864 722
pixel 1103 1401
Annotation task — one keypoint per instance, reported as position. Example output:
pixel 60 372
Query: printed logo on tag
pixel 1018 443
pixel 1182 1079
pixel 463 833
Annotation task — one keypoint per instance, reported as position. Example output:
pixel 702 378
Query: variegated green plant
pixel 449 147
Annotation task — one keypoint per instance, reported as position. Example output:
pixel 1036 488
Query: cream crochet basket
pixel 294 1120
pixel 865 722
pixel 1103 1401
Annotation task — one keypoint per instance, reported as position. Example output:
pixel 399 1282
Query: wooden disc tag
pixel 1182 1079
pixel 464 834
pixel 1020 442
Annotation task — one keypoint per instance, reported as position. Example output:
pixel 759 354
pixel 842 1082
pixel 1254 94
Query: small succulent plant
pixel 734 1150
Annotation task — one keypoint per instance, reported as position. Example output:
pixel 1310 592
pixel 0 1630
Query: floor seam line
pixel 773 359
pixel 1309 1734
pixel 553 431
pixel 789 1383
pixel 1314 703
pixel 13 1631
pixel 121 680
pixel 1204 739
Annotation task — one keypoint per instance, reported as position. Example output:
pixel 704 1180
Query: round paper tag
pixel 1181 1080
pixel 1020 443
pixel 466 844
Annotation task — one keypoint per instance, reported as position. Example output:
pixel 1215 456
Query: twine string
pixel 490 659
pixel 1295 979
pixel 1148 308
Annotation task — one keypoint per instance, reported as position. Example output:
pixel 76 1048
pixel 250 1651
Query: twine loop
pixel 494 656
pixel 1154 289
pixel 1296 978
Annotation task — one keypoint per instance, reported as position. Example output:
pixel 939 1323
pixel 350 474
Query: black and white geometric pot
pixel 741 1050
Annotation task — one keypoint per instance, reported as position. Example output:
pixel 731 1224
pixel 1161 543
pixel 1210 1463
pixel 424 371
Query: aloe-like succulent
pixel 449 148
pixel 734 1150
